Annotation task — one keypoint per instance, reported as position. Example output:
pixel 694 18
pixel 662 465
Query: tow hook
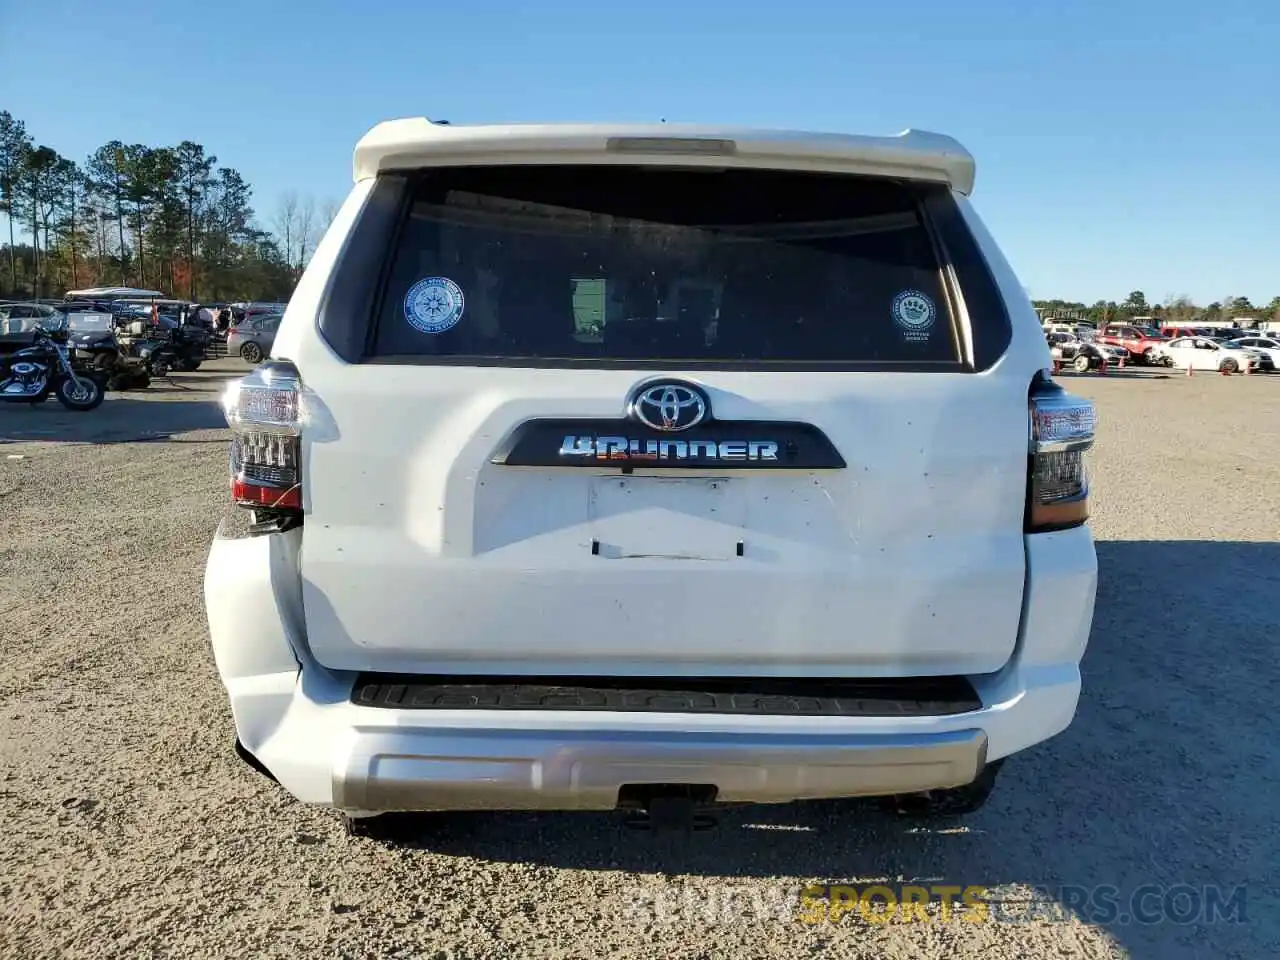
pixel 674 808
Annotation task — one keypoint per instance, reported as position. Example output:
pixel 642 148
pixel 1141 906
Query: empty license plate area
pixel 684 518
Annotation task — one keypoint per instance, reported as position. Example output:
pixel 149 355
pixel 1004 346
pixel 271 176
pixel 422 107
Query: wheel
pixel 1229 365
pixel 1166 361
pixel 1149 357
pixel 81 393
pixel 158 367
pixel 956 802
pixel 251 353
pixel 1081 364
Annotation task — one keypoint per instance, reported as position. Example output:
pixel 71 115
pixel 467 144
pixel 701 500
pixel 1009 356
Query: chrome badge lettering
pixel 612 448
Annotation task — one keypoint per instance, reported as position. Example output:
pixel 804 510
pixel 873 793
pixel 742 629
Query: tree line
pixel 1174 310
pixel 169 218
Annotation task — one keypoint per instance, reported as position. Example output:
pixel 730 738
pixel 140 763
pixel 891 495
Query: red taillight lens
pixel 1062 429
pixel 264 411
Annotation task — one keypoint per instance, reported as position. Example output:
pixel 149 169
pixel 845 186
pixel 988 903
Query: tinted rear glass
pixel 618 263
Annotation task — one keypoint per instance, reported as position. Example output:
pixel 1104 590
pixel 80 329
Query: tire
pixel 158 367
pixel 956 802
pixel 251 353
pixel 1229 365
pixel 81 394
pixel 1081 364
pixel 1149 357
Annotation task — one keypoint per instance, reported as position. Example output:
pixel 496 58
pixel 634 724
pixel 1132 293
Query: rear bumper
pixel 297 717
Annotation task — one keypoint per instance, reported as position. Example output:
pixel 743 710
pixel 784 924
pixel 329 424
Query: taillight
pixel 1062 429
pixel 264 411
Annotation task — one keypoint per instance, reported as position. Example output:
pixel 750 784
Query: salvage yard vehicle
pixel 649 468
pixel 96 350
pixel 33 374
pixel 1083 355
pixel 1143 343
pixel 252 337
pixel 1269 347
pixel 1203 353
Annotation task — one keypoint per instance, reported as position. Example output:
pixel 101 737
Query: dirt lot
pixel 129 828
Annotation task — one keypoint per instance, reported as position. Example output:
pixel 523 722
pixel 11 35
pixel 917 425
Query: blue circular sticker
pixel 434 305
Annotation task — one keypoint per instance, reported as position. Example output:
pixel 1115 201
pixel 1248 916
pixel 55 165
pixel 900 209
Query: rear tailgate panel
pixel 908 560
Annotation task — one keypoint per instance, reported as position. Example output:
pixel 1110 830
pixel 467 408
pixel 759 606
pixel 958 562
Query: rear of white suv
pixel 596 465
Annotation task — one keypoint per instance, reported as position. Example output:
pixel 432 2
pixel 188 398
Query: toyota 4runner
pixel 597 466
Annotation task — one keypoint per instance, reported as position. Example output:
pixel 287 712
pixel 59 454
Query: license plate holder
pixel 678 518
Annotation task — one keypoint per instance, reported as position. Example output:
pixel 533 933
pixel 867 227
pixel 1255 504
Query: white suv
pixel 652 467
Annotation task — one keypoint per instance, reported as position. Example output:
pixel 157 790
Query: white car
pixel 651 467
pixel 1204 353
pixel 1267 346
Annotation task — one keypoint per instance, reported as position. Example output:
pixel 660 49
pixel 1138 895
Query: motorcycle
pixel 31 374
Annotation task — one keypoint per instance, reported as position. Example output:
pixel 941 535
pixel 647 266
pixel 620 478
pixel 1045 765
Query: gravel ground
pixel 129 828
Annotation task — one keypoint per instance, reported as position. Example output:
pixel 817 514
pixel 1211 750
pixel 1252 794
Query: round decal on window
pixel 915 313
pixel 434 305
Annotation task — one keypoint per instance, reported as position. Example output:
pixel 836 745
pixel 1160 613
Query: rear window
pixel 618 263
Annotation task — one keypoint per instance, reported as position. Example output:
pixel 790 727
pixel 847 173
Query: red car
pixel 1141 342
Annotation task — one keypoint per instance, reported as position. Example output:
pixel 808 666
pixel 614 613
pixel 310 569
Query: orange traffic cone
pixel 1189 369
pixel 1224 371
pixel 1102 368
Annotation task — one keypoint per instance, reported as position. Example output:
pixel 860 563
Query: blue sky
pixel 1120 144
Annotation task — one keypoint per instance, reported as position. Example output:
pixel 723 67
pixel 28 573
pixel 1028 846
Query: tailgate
pixel 483 495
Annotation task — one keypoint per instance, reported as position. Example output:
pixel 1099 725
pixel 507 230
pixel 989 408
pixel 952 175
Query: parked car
pixel 19 320
pixel 251 339
pixel 1083 355
pixel 1141 342
pixel 532 538
pixel 1204 353
pixel 1269 347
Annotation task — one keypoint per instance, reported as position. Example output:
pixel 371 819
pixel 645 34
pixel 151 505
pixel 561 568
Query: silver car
pixel 251 339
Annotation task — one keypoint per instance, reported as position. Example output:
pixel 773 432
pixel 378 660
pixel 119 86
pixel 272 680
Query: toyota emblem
pixel 669 406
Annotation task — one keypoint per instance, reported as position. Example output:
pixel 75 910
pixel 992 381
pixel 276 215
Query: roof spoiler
pixel 418 142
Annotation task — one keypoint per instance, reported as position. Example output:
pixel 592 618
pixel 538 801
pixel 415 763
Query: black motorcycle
pixel 32 374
